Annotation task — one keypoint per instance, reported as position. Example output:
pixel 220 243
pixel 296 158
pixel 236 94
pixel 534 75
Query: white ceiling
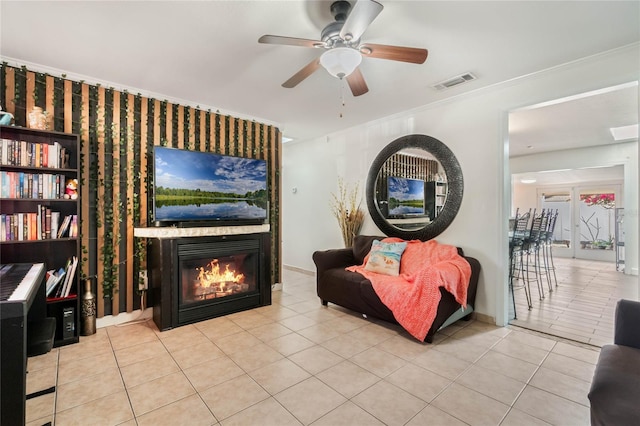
pixel 206 53
pixel 580 121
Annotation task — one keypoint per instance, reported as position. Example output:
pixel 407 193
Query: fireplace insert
pixel 194 279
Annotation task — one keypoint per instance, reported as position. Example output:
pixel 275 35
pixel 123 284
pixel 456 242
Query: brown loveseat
pixel 615 389
pixel 353 291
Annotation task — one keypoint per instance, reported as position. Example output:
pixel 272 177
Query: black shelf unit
pixel 53 252
pixel 435 196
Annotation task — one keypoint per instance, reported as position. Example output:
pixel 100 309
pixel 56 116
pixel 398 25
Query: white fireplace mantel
pixel 213 231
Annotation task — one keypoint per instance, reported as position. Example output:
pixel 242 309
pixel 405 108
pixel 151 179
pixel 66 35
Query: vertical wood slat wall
pixel 407 166
pixel 118 131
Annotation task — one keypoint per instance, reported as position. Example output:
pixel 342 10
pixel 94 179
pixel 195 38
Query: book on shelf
pixel 73 228
pixel 32 154
pixel 44 155
pixel 64 226
pixel 22 154
pixel 6 221
pixel 21 185
pixel 4 184
pixel 42 224
pixel 34 186
pixel 20 189
pixel 60 289
pixel 4 151
pixel 53 279
pixel 74 267
pixel 63 158
pixel 55 223
pixel 54 155
pixel 42 218
pixel 33 226
pixel 20 226
pixel 65 288
pixel 36 151
pixel 12 223
pixel 47 223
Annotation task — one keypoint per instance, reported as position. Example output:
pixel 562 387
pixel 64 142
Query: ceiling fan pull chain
pixel 341 96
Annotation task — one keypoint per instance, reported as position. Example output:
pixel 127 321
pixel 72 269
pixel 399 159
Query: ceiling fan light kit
pixel 343 50
pixel 341 61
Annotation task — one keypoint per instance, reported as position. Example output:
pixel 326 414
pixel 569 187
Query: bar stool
pixel 530 264
pixel 547 250
pixel 519 233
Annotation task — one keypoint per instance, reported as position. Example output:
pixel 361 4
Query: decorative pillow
pixel 384 258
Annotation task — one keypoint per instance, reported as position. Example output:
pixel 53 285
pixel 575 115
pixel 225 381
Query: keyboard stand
pixel 14 340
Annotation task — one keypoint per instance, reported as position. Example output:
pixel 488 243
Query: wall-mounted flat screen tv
pixel 406 197
pixel 192 186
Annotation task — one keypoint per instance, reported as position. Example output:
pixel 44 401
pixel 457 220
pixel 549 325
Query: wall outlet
pixel 143 282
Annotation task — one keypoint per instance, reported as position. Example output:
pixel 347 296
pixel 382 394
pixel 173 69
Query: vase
pixel 88 310
pixel 5 118
pixel 38 119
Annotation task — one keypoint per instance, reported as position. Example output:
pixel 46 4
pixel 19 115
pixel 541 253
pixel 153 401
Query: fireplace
pixel 216 277
pixel 221 277
pixel 201 277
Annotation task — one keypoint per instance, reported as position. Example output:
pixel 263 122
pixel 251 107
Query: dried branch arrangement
pixel 346 208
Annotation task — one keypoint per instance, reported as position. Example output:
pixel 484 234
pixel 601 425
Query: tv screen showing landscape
pixel 204 186
pixel 406 196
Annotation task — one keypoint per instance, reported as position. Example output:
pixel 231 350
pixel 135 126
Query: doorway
pixel 563 156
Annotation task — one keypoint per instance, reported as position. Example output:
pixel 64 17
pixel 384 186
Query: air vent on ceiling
pixel 454 81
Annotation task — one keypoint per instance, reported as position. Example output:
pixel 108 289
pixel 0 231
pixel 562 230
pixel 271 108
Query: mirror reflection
pixel 414 188
pixel 411 189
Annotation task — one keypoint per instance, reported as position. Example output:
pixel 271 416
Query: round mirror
pixel 414 188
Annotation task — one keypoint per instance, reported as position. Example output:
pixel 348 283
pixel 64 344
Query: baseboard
pixel 124 317
pixel 484 318
pixel 301 270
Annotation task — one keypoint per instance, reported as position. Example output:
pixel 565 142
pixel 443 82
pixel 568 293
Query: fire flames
pixel 212 277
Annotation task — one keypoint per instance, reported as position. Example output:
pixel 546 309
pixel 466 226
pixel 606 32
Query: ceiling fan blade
pixel 290 41
pixel 394 53
pixel 305 72
pixel 359 19
pixel 356 83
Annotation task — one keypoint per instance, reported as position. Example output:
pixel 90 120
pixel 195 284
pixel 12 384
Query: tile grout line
pixel 55 397
pixel 124 385
pixel 527 383
pixel 452 381
pixel 186 377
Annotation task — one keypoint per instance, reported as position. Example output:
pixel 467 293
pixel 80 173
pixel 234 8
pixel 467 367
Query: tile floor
pixel 582 307
pixel 298 363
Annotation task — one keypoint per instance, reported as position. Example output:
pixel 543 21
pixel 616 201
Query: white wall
pixel 474 126
pixel 524 197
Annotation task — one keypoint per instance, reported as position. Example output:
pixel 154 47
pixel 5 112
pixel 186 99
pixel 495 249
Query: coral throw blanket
pixel 413 296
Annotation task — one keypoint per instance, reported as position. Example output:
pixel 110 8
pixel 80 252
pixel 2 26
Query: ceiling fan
pixel 343 49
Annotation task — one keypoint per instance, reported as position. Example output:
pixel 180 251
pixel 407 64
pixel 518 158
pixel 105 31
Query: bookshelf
pixel 35 166
pixel 435 196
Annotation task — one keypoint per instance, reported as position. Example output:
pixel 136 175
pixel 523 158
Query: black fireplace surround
pixel 177 265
